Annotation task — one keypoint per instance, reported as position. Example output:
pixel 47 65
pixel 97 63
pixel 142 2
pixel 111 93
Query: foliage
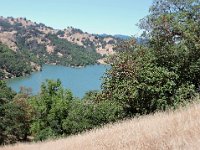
pixel 13 63
pixel 51 107
pixel 58 113
pixel 32 49
pixel 15 116
pixel 73 55
pixel 174 36
pixel 141 87
pixel 83 115
pixel 165 72
pixel 6 92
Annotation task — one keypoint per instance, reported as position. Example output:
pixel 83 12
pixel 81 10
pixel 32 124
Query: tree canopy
pixel 164 72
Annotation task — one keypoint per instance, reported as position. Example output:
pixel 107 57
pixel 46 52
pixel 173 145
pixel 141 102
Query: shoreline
pixel 52 64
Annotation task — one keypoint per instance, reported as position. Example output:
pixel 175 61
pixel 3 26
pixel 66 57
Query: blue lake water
pixel 78 80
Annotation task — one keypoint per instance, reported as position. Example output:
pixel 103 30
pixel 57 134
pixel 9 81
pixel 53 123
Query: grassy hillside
pixel 178 129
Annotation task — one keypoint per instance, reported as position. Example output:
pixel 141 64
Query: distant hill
pixel 123 37
pixel 139 40
pixel 118 36
pixel 168 130
pixel 39 44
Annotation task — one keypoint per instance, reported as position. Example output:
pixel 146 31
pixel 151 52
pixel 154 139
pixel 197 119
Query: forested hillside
pixel 38 44
pixel 16 64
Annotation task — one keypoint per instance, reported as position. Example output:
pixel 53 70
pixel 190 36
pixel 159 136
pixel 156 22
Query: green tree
pixel 14 115
pixel 51 107
pixel 58 113
pixel 22 102
pixel 173 29
pixel 165 72
pixel 141 86
pixel 6 92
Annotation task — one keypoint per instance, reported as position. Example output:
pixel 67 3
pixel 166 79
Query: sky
pixel 92 16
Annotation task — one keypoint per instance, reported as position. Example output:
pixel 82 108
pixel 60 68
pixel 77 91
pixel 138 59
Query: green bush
pixel 83 116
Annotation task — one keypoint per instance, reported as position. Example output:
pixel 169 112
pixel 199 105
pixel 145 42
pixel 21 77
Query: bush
pixel 83 116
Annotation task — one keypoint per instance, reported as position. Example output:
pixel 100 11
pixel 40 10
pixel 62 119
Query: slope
pixel 178 129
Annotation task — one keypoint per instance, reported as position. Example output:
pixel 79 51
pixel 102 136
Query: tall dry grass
pixel 170 130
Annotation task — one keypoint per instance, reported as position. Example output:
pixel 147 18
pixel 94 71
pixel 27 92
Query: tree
pixel 22 102
pixel 6 92
pixel 165 72
pixel 174 31
pixel 15 116
pixel 51 107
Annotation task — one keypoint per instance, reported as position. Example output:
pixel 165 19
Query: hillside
pixel 169 130
pixel 45 45
pixel 16 64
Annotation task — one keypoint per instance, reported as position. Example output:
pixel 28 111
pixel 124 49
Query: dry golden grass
pixel 169 130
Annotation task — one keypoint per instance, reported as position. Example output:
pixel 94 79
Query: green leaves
pixel 162 74
pixel 73 55
pixel 83 115
pixel 165 73
pixel 13 63
pixel 58 113
pixel 51 107
pixel 15 115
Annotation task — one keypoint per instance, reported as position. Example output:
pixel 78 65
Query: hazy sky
pixel 93 16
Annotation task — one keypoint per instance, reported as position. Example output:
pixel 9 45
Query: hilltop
pixel 165 130
pixel 39 44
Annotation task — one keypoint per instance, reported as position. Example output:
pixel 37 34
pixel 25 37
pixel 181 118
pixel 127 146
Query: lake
pixel 78 80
